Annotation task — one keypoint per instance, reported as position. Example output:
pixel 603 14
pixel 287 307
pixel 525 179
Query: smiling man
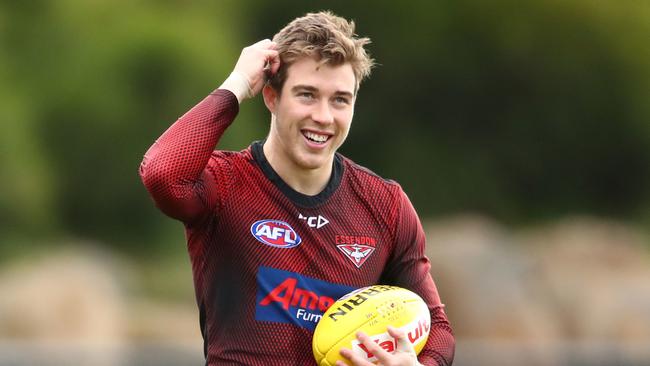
pixel 309 122
pixel 278 231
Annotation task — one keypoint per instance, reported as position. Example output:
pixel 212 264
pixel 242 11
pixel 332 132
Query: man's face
pixel 312 115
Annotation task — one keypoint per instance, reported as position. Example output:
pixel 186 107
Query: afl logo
pixel 275 233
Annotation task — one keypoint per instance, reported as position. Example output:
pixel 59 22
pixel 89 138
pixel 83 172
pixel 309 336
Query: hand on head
pixel 255 61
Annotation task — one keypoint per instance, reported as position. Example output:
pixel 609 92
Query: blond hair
pixel 326 37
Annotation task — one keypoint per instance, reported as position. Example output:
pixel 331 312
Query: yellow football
pixel 370 309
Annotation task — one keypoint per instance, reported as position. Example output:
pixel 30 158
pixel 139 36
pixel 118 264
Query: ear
pixel 270 98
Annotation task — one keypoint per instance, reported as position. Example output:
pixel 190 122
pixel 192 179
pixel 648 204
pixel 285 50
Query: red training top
pixel 267 260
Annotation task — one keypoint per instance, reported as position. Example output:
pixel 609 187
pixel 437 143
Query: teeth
pixel 316 137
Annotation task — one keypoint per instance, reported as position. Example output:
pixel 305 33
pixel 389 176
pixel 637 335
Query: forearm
pixel 413 271
pixel 441 344
pixel 173 166
pixel 174 169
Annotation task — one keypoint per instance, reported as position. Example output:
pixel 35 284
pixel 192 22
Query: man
pixel 280 230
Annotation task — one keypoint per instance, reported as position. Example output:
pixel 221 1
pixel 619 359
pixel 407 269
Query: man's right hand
pixel 248 77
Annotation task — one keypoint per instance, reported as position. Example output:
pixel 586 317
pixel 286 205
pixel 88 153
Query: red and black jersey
pixel 267 260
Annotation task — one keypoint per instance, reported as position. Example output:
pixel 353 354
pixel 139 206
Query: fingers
pixel 341 363
pixel 274 63
pixel 272 60
pixel 355 359
pixel 404 353
pixel 374 348
pixel 257 61
pixel 265 43
pixel 403 344
pixel 272 57
pixel 265 48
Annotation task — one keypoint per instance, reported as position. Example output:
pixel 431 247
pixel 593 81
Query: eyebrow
pixel 310 88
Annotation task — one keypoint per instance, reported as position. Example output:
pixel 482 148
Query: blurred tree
pixel 519 110
pixel 92 85
pixel 522 111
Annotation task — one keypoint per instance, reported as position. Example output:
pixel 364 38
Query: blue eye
pixel 341 100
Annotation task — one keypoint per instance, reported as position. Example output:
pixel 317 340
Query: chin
pixel 312 163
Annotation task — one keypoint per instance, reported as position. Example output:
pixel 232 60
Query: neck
pixel 306 181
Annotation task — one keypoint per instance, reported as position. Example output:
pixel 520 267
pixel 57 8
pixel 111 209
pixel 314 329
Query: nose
pixel 322 113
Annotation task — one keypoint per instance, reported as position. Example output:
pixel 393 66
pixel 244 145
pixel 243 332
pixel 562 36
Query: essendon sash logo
pixel 287 297
pixel 358 254
pixel 356 248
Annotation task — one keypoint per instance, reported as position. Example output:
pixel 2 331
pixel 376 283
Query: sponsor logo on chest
pixel 314 221
pixel 275 233
pixel 289 297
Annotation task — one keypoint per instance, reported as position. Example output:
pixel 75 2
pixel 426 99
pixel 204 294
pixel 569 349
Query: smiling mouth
pixel 316 137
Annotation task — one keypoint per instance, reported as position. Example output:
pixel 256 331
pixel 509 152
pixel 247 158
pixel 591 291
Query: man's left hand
pixel 404 354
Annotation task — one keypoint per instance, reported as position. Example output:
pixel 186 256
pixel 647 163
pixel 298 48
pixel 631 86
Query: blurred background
pixel 520 130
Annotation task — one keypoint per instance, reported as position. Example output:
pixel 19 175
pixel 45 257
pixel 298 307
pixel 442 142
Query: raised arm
pixel 174 168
